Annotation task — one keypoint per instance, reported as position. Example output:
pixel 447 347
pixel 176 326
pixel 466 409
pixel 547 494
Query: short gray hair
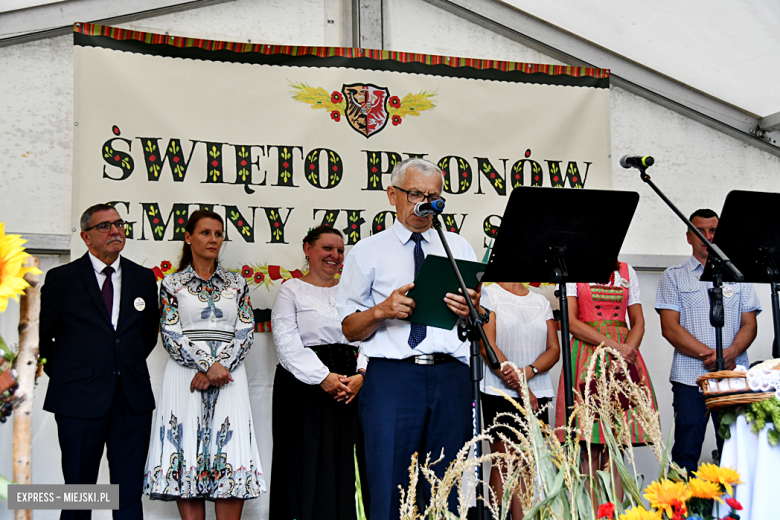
pixel 86 217
pixel 427 168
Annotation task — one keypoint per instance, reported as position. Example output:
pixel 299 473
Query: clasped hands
pixel 627 352
pixel 399 306
pixel 342 388
pixel 511 378
pixel 729 359
pixel 217 375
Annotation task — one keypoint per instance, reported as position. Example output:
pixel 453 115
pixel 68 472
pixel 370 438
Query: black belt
pixel 339 358
pixel 429 359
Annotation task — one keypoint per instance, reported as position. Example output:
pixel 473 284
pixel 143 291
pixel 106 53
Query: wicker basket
pixel 716 403
pixel 724 382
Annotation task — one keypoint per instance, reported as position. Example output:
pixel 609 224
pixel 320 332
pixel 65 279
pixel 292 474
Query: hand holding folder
pixel 433 282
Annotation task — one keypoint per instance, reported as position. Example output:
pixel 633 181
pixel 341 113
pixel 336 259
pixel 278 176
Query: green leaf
pixel 361 512
pixel 663 474
pixel 4 486
pixel 774 436
pixel 5 352
pixel 629 484
pixel 728 417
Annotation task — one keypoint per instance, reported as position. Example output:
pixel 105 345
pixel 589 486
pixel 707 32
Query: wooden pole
pixel 26 366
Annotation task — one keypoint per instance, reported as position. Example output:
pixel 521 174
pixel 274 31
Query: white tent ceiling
pixel 724 48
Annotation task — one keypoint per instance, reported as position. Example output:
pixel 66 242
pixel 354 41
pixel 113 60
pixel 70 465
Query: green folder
pixel 435 280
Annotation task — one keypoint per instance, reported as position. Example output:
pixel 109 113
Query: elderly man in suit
pixel 99 322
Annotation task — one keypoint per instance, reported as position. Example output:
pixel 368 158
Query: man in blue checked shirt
pixel 683 303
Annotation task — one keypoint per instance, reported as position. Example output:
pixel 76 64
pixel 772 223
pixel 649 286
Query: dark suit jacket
pixel 84 353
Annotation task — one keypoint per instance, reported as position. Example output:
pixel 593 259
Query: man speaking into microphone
pixel 417 393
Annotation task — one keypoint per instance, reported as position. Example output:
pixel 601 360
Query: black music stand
pixel 554 235
pixel 747 234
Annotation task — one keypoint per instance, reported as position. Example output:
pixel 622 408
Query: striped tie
pixel 418 332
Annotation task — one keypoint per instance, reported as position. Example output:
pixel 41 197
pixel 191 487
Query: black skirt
pixel 315 439
pixel 492 405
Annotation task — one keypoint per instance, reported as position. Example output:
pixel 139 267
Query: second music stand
pixel 747 234
pixel 554 235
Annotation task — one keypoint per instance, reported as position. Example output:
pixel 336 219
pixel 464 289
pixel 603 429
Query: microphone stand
pixel 472 330
pixel 719 262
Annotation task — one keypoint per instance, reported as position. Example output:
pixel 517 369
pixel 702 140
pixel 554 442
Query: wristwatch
pixel 534 369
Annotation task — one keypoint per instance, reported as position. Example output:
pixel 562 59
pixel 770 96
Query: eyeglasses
pixel 415 196
pixel 105 227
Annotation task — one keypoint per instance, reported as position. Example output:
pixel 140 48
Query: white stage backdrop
pixel 279 139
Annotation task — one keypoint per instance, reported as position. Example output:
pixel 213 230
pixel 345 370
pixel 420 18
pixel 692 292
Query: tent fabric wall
pixel 696 165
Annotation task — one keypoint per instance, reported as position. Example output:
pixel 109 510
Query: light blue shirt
pixel 680 290
pixel 380 264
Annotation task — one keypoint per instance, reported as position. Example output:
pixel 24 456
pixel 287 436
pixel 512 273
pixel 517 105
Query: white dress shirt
pixel 116 279
pixel 378 265
pixel 304 315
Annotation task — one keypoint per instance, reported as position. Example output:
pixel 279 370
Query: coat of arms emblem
pixel 366 107
pixel 366 111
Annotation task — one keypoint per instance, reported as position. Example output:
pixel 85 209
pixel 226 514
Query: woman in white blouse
pixel 204 445
pixel 315 422
pixel 521 329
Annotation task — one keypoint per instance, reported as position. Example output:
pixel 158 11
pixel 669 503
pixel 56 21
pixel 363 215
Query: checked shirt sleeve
pixel 668 295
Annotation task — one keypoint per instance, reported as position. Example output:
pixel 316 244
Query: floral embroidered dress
pixel 203 442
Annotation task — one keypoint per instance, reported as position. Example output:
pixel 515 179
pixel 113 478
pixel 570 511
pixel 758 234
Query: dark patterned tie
pixel 108 289
pixel 418 331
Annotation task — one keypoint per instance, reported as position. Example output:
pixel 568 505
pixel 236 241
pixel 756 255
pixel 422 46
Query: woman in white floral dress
pixel 203 441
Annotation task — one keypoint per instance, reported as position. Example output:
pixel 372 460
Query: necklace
pixel 611 279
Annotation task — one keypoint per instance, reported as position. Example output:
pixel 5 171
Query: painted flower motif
pixel 394 102
pixel 158 274
pixel 665 495
pixel 335 115
pixel 724 476
pixel 397 120
pixel 336 97
pixel 733 503
pixel 606 510
pixel 247 271
pixel 640 513
pixel 259 277
pixel 705 489
pixel 165 265
pixel 12 256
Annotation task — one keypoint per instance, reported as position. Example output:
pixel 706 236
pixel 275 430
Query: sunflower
pixel 723 476
pixel 705 489
pixel 640 513
pixel 666 494
pixel 12 273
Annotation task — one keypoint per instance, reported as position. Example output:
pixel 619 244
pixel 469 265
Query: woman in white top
pixel 521 329
pixel 315 422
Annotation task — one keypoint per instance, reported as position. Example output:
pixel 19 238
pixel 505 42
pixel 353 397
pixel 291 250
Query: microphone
pixel 636 161
pixel 434 207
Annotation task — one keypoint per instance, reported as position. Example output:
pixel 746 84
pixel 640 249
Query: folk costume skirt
pixel 316 439
pixel 581 353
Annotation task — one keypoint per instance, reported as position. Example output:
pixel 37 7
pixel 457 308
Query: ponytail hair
pixel 192 222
